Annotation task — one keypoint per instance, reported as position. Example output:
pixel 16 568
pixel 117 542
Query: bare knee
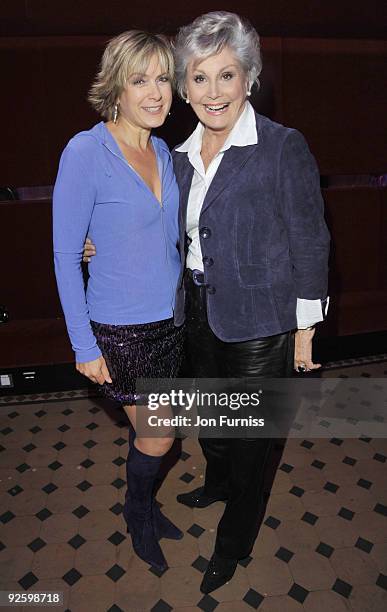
pixel 154 446
pixel 150 446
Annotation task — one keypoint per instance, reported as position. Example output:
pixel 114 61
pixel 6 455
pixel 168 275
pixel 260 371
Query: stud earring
pixel 115 113
pixel 248 93
pixel 186 101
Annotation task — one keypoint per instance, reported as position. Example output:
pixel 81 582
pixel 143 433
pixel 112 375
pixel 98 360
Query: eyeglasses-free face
pixel 147 98
pixel 216 89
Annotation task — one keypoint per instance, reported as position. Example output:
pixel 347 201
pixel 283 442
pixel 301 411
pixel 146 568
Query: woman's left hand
pixel 303 351
pixel 89 250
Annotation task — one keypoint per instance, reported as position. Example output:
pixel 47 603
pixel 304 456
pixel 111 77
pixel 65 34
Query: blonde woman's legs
pixel 144 519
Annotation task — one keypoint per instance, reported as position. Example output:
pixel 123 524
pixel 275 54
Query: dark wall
pixel 301 18
pixel 28 284
pixel 335 93
pixel 357 219
pixel 325 66
pixel 332 90
pixel 45 103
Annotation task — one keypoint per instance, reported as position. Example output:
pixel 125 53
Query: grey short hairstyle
pixel 127 54
pixel 208 35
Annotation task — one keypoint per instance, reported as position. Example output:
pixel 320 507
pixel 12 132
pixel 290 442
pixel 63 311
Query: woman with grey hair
pixel 256 257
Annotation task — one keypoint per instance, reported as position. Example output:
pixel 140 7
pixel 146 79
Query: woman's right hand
pixel 96 370
pixel 89 250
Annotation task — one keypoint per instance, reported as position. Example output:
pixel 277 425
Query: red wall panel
pixel 44 103
pixel 357 219
pixel 23 107
pixel 353 216
pixel 335 92
pixel 28 281
pixel 307 18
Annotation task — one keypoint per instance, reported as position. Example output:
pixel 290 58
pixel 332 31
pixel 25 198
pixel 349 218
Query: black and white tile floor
pixel 322 544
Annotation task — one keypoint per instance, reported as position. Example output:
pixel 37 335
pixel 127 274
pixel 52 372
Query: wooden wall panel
pixel 357 219
pixel 269 99
pixel 52 105
pixel 383 232
pixel 28 280
pixel 354 216
pixel 44 103
pixel 23 151
pixel 68 110
pixel 307 18
pixel 34 342
pixel 335 93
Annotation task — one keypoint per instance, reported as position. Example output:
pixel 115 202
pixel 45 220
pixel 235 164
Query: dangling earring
pixel 115 113
pixel 186 101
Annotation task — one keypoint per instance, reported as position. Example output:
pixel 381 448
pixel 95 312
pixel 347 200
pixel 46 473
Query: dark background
pixel 325 67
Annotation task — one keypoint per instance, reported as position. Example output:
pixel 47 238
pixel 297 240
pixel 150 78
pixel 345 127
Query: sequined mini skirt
pixel 144 350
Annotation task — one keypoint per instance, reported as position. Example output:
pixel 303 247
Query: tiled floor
pixel 323 542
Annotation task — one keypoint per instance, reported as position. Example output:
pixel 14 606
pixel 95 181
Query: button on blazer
pixel 262 232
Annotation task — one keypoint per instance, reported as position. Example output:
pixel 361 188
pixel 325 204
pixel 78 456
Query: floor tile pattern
pixel 322 543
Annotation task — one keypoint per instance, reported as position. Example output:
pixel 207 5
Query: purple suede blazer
pixel 262 233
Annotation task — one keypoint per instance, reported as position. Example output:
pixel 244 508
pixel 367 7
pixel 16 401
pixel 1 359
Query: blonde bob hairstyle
pixel 126 54
pixel 208 35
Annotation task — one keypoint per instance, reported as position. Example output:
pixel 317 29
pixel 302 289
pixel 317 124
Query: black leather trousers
pixel 235 467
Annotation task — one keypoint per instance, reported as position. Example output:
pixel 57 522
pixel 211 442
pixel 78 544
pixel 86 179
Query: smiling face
pixel 216 88
pixel 147 98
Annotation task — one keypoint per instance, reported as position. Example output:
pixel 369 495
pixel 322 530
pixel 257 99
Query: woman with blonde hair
pixel 116 184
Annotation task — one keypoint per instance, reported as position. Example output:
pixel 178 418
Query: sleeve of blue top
pixel 73 202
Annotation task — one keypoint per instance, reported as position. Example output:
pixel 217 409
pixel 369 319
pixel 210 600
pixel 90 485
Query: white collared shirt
pixel 244 133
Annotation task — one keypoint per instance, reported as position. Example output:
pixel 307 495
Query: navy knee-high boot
pixel 142 470
pixel 163 527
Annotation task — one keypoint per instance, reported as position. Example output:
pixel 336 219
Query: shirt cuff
pixel 310 312
pixel 83 355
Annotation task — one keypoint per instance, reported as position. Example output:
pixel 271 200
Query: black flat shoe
pixel 218 572
pixel 198 499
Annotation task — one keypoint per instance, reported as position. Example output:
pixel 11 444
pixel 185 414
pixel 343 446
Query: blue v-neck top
pixel 133 277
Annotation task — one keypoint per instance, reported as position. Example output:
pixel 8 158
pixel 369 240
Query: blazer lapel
pixel 184 173
pixel 233 161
